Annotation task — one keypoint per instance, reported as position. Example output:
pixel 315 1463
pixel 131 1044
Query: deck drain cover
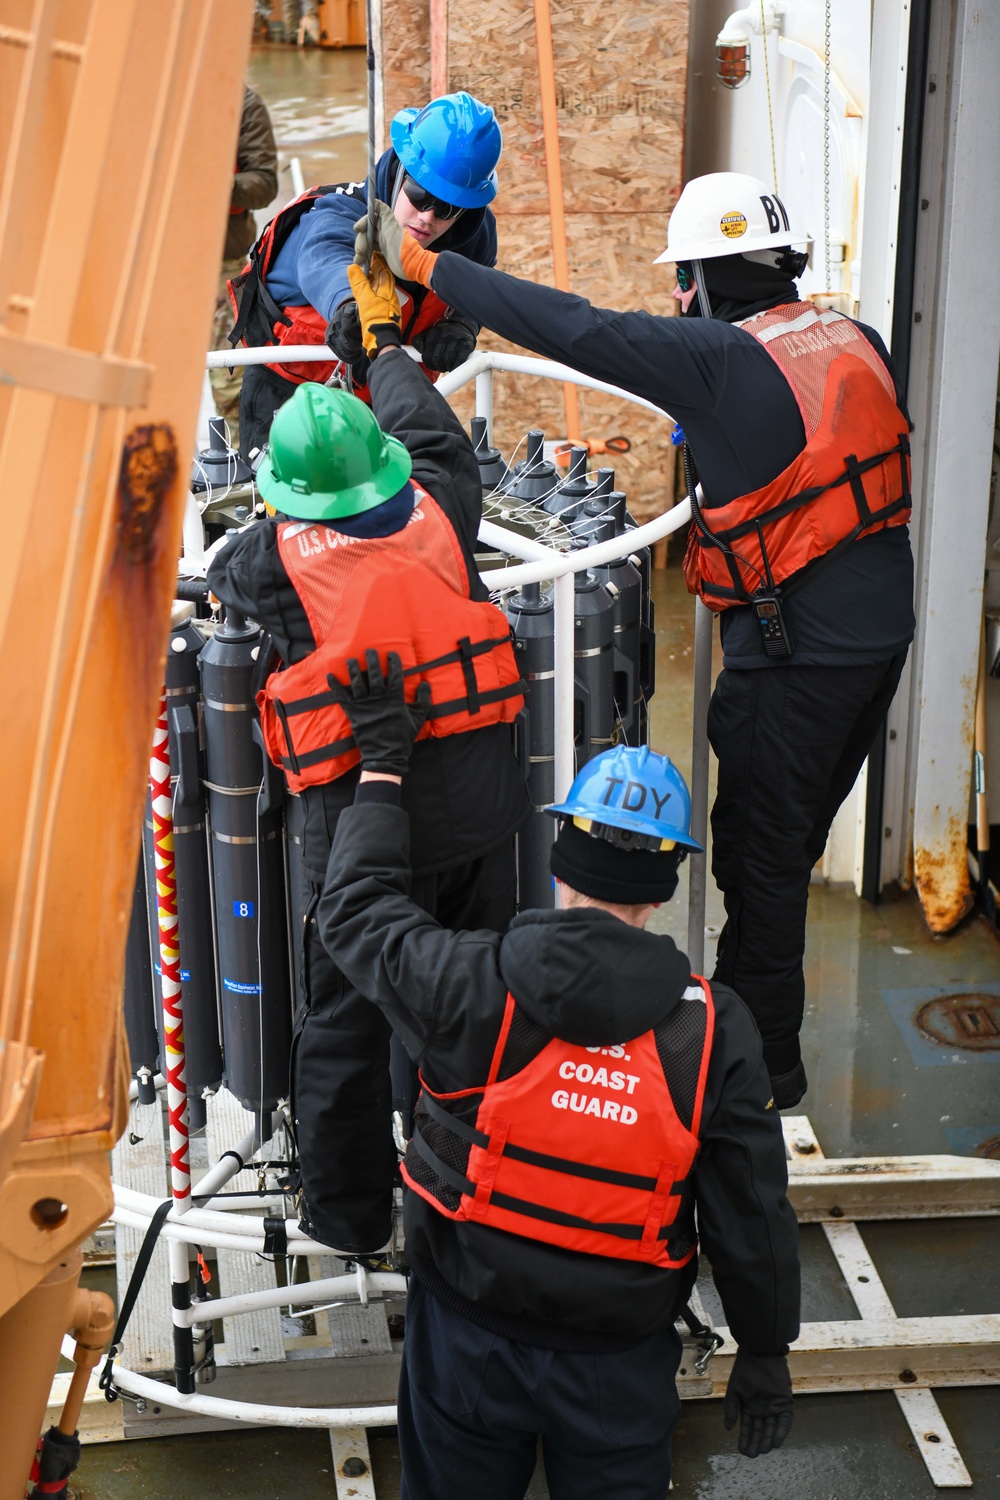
pixel 968 1021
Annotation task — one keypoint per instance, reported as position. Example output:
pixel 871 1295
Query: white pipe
pixel 742 23
pixel 190 1233
pixel 280 354
pixel 256 1413
pixel 564 626
pixel 476 365
pixel 301 1292
pixel 129 1200
pixel 585 557
pixel 484 401
pixel 502 538
pixel 225 1170
pixel 295 172
pixel 547 369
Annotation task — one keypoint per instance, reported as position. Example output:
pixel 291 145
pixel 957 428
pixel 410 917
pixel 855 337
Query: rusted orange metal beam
pixel 118 123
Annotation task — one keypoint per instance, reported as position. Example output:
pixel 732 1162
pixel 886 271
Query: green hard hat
pixel 327 457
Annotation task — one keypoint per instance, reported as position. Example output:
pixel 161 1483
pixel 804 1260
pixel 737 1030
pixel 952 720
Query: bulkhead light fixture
pixel 732 60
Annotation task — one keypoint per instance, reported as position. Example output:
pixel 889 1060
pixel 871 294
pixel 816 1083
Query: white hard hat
pixel 726 213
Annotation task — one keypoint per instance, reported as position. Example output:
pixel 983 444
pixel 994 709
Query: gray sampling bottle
pixel 531 619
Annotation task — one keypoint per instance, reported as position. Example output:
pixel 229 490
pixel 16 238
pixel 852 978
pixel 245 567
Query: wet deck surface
pixel 877 1085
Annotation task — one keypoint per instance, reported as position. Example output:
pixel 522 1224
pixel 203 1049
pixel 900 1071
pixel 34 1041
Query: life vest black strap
pixel 810 569
pixel 296 762
pixel 866 517
pixel 466 653
pixel 450 659
pixel 522 1206
pixel 852 471
pixel 532 1158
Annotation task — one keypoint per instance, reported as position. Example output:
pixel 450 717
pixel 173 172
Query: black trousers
pixel 341 1089
pixel 790 742
pixel 472 1406
pixel 261 393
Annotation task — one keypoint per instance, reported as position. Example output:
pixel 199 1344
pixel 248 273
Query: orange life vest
pixel 408 592
pixel 586 1148
pixel 852 477
pixel 260 320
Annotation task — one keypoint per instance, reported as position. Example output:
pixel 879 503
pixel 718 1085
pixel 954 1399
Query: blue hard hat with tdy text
pixel 634 790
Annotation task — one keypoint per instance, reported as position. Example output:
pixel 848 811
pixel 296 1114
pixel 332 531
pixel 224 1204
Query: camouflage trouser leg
pixel 226 386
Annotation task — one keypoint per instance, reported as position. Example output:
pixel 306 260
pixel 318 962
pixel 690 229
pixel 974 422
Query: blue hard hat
pixel 451 148
pixel 633 789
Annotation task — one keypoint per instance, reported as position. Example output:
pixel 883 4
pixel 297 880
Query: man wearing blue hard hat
pixel 582 1095
pixel 439 178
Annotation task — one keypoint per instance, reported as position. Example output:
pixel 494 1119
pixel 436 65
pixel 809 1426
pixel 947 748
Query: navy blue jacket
pixel 743 425
pixel 311 266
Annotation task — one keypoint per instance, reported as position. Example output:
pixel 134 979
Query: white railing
pixel 538 563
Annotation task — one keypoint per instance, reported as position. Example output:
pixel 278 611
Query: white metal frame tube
pixel 484 400
pixel 253 1412
pixel 379 1285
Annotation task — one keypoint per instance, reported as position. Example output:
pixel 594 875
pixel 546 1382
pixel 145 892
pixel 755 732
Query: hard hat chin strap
pixel 704 306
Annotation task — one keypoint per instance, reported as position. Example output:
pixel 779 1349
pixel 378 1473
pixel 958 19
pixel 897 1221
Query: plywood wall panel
pixel 620 69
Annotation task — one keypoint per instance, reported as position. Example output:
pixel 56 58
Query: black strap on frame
pixel 106 1382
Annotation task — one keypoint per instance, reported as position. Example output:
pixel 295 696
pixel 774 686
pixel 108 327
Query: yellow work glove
pixel 378 305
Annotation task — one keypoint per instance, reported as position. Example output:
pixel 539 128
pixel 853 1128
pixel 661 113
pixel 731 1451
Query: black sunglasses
pixel 425 202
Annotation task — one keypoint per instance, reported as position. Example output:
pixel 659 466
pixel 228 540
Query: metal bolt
pixel 907 1377
pixel 353 1468
pixel 932 87
pixel 862 1278
pixel 888 833
pixel 925 203
pixel 918 317
pixel 836 1213
pixel 931 1437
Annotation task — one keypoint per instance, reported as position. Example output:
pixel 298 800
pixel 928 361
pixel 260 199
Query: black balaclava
pixel 738 288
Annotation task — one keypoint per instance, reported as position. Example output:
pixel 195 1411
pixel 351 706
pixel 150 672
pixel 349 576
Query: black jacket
pixel 464 793
pixel 744 428
pixel 590 979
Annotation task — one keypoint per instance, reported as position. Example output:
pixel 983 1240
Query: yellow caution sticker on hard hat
pixel 733 225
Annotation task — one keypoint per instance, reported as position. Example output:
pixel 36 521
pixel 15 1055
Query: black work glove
pixel 343 336
pixel 343 332
pixel 384 724
pixel 447 344
pixel 759 1394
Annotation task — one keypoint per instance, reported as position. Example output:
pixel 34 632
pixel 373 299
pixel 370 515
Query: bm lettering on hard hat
pixel 772 206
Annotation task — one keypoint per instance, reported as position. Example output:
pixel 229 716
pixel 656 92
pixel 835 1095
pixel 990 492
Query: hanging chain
pixel 767 81
pixel 826 145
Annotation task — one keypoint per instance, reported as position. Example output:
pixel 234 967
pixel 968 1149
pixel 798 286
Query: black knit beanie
pixel 625 877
